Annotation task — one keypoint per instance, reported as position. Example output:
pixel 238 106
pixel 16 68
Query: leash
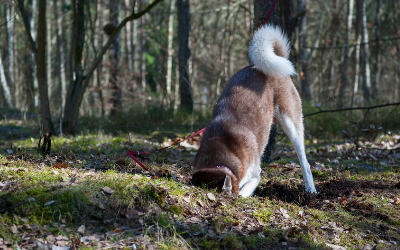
pixel 132 153
pixel 270 12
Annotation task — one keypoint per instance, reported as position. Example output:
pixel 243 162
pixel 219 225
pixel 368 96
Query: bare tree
pixel 303 55
pixel 185 92
pixel 77 88
pixel 115 54
pixel 343 84
pixel 365 56
pixel 377 49
pixel 39 52
pixel 170 51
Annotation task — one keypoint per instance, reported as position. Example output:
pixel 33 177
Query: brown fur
pixel 239 128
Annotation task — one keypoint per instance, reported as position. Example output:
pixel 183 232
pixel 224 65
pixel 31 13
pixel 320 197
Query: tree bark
pixel 47 123
pixel 143 49
pixel 115 54
pixel 343 84
pixel 303 55
pixel 365 56
pixel 62 58
pixel 377 48
pixel 185 92
pixel 4 84
pixel 170 51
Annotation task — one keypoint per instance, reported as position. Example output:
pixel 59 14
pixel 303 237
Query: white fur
pixel 263 56
pixel 296 135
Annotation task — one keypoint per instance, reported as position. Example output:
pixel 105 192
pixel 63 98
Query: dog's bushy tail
pixel 269 51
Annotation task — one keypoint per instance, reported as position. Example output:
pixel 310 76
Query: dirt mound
pixel 326 191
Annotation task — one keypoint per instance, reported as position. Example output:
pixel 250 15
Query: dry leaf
pixel 284 213
pixel 186 199
pixel 14 229
pixel 301 214
pixel 81 229
pixel 61 165
pixel 211 196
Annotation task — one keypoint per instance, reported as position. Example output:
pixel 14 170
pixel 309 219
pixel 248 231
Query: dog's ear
pixel 227 188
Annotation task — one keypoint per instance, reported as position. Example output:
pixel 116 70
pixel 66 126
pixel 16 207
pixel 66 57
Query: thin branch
pixel 353 108
pixel 27 26
pixel 355 44
pixel 112 38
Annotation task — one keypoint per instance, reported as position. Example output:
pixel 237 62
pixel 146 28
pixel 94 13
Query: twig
pixel 352 108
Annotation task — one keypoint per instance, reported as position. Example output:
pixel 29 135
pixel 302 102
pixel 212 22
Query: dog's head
pixel 216 176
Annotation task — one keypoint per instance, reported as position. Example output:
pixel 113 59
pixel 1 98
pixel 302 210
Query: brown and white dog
pixel 230 151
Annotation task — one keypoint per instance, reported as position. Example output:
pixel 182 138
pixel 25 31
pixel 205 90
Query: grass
pixel 162 208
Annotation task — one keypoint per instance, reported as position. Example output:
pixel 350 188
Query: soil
pixel 328 191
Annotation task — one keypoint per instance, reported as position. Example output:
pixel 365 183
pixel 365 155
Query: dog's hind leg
pixel 295 130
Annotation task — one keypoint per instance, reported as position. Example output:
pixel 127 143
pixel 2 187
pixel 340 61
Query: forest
pixel 84 81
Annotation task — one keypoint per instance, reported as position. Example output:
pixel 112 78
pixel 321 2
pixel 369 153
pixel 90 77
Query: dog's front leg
pixel 250 181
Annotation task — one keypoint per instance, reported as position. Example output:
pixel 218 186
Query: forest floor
pixel 89 194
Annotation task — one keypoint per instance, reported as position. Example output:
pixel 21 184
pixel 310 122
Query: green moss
pixel 156 193
pixel 176 210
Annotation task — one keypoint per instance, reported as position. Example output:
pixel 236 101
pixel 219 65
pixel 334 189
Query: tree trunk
pixel 8 63
pixel 365 56
pixel 62 59
pixel 185 92
pixel 4 84
pixel 143 49
pixel 115 54
pixel 71 107
pixel 170 51
pixel 343 84
pixel 303 55
pixel 377 48
pixel 98 42
pixel 261 9
pixel 128 42
pixel 47 123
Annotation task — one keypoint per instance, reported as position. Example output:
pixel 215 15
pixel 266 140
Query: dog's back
pixel 234 140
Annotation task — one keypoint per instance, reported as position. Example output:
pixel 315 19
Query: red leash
pixel 270 12
pixel 131 153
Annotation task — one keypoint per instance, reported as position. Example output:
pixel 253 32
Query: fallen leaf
pixel 284 213
pixel 9 151
pixel 49 203
pixel 14 229
pixel 108 190
pixel 194 220
pixel 61 165
pixel 186 199
pixel 61 238
pixel 81 229
pixel 335 247
pixel 211 196
pixel 31 199
pixel 397 201
pixel 301 214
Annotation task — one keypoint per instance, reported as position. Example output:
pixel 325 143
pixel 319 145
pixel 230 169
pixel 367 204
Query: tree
pixel 115 54
pixel 39 52
pixel 261 10
pixel 303 55
pixel 77 89
pixel 343 84
pixel 184 54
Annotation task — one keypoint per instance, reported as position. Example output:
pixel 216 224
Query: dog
pixel 231 147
